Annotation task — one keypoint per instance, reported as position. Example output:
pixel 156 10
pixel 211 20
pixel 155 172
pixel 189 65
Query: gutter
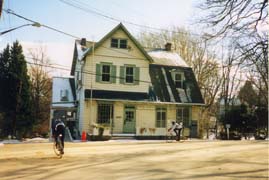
pixel 151 102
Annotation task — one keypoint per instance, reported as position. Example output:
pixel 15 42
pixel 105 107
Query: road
pixel 136 160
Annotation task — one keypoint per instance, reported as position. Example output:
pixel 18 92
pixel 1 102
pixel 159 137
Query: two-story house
pixel 128 90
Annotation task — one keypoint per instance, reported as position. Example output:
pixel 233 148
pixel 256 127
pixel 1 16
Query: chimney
pixel 83 42
pixel 168 46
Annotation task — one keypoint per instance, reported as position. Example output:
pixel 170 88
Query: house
pixel 126 90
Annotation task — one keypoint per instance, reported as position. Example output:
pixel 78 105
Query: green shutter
pixel 137 75
pixel 122 76
pixel 98 73
pixel 113 74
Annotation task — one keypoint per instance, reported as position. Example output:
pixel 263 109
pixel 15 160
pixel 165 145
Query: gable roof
pixel 79 53
pixel 164 89
pixel 122 27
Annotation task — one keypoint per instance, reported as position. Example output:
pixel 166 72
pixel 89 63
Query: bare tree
pixel 41 89
pixel 235 17
pixel 245 22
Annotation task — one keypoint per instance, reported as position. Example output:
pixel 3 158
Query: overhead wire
pixel 9 11
pixel 88 10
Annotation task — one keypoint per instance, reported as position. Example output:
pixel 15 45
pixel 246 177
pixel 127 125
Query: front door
pixel 129 119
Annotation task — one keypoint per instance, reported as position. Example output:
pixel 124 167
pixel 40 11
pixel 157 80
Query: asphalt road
pixel 137 160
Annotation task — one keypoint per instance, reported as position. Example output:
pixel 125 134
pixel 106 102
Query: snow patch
pixel 11 141
pixel 167 58
pixel 37 140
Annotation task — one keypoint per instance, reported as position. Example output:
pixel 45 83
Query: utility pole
pixel 91 121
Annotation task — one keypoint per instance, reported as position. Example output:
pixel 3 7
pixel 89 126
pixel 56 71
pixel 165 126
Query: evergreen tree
pixel 15 101
pixel 248 95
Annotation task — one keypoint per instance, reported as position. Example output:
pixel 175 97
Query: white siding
pixel 118 57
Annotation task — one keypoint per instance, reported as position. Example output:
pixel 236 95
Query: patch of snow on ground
pixel 11 141
pixel 37 140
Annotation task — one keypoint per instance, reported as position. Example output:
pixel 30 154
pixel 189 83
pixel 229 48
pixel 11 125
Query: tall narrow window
pixel 105 113
pixel 114 43
pixel 160 117
pixel 106 73
pixel 183 115
pixel 123 43
pixel 178 80
pixel 129 77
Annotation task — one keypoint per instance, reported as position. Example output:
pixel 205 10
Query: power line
pixel 9 11
pixel 88 10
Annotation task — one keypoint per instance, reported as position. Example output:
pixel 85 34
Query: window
pixel 119 43
pixel 160 117
pixel 129 71
pixel 123 43
pixel 178 78
pixel 105 113
pixel 64 95
pixel 114 43
pixel 129 74
pixel 183 115
pixel 129 113
pixel 106 73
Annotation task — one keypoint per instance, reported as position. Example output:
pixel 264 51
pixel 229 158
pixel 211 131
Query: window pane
pixel 106 73
pixel 129 70
pixel 178 77
pixel 161 117
pixel 178 80
pixel 106 77
pixel 114 43
pixel 123 43
pixel 106 69
pixel 178 84
pixel 105 113
pixel 129 78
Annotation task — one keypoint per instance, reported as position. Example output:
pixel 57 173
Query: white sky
pixel 54 13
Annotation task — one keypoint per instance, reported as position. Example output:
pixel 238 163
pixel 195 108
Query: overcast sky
pixel 59 15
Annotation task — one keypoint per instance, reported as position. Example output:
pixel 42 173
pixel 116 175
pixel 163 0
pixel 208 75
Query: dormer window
pixel 119 43
pixel 178 79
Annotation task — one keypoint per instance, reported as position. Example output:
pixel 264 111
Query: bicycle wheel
pixel 169 137
pixel 57 147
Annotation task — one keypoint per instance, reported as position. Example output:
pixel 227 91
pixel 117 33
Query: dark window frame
pixel 161 117
pixel 119 43
pixel 105 74
pixel 105 113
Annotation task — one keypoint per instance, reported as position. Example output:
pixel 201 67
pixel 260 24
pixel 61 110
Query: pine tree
pixel 15 101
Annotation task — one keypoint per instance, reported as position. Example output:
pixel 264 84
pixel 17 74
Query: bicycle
pixel 171 136
pixel 58 146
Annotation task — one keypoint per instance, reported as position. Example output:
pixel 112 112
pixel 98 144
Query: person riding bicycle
pixel 58 128
pixel 176 128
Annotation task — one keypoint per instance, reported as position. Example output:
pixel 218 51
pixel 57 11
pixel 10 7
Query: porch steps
pixel 123 136
pixel 68 136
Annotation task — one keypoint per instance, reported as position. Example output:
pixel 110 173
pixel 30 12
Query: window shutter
pixel 137 75
pixel 113 74
pixel 98 73
pixel 122 76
